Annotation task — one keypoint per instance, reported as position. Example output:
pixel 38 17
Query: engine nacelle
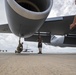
pixel 25 17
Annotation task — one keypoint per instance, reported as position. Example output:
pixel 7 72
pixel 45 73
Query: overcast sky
pixel 63 8
pixel 60 8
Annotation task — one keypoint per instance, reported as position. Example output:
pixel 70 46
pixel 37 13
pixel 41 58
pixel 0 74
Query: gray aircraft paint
pixel 23 26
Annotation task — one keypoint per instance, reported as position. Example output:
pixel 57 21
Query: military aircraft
pixel 28 19
pixel 27 50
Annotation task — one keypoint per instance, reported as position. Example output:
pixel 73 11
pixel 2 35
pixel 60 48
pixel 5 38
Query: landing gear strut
pixel 20 47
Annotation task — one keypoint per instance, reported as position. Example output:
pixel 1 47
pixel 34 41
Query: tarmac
pixel 37 64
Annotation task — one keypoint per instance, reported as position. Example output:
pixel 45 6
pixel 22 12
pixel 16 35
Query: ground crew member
pixel 40 44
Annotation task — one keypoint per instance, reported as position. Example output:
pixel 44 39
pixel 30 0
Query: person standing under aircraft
pixel 40 44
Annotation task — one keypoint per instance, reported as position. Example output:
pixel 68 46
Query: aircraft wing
pixel 4 28
pixel 53 26
pixel 57 25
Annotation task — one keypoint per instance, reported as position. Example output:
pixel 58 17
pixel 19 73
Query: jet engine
pixel 25 17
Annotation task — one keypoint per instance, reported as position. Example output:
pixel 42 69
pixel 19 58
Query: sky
pixel 10 41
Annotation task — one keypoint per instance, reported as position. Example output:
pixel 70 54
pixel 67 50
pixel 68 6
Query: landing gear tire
pixel 16 51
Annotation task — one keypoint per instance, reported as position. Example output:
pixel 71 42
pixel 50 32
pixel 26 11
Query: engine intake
pixel 25 17
pixel 33 5
pixel 29 5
